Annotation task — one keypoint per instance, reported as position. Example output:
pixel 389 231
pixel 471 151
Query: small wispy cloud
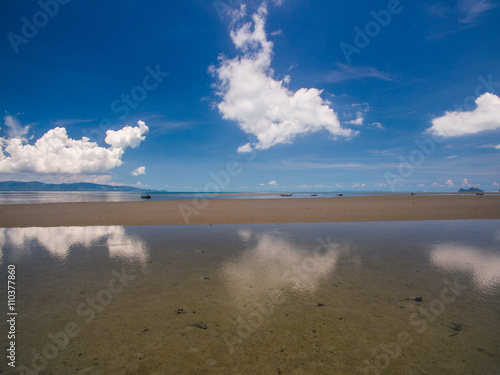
pixel 349 165
pixel 361 111
pixel 138 171
pixel 70 121
pixel 245 148
pixel 164 126
pixel 140 185
pixel 359 119
pixel 439 10
pixel 466 183
pixel 471 10
pixel 14 127
pixel 391 152
pixel 458 17
pixel 377 125
pixel 347 72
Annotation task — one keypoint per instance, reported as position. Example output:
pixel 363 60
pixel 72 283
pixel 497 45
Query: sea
pixel 33 197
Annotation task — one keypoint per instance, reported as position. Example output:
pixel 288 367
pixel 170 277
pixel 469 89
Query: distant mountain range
pixel 80 186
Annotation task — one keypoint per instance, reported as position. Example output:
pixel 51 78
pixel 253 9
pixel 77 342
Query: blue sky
pixel 288 95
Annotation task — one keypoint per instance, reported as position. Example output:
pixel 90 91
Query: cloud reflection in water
pixel 481 263
pixel 273 266
pixel 57 241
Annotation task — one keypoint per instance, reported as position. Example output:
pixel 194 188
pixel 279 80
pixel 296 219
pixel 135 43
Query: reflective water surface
pixel 33 197
pixel 333 298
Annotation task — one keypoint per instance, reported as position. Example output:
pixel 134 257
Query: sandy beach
pixel 252 211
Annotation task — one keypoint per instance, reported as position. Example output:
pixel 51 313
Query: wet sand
pixel 299 299
pixel 253 211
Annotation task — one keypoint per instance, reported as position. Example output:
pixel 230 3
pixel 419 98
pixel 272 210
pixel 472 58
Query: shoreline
pixel 252 211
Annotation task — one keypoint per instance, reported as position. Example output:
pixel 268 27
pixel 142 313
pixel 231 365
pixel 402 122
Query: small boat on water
pixel 286 195
pixel 340 195
pixel 146 196
pixel 481 193
pixel 314 195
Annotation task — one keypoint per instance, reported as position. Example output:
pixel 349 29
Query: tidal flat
pixel 318 298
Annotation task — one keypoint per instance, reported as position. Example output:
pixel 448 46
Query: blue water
pixel 60 197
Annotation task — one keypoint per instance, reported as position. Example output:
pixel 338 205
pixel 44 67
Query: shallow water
pixel 332 298
pixel 35 197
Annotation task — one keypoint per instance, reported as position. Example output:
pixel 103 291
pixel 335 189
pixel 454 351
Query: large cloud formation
pixel 261 105
pixel 55 152
pixel 485 117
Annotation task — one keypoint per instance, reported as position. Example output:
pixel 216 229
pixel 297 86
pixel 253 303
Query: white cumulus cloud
pixel 450 183
pixel 245 148
pixel 56 152
pixel 261 105
pixel 127 136
pixel 359 119
pixel 377 125
pixel 465 182
pixel 273 183
pixel 138 171
pixel 485 117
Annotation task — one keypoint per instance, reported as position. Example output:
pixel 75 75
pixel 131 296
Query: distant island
pixel 470 190
pixel 80 186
